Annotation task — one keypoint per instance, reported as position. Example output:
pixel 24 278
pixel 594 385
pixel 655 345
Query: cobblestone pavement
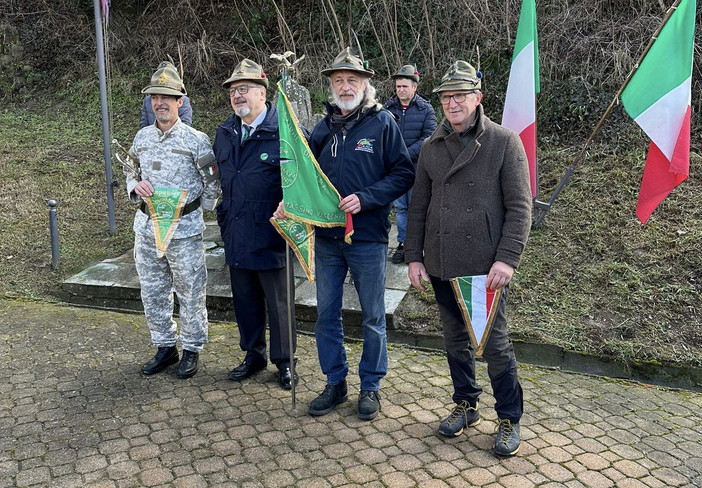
pixel 75 411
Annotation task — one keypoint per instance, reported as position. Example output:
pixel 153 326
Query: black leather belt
pixel 194 205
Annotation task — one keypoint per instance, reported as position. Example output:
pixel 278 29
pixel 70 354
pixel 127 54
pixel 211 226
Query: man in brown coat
pixel 470 215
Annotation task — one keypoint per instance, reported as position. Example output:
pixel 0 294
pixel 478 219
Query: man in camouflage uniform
pixel 171 154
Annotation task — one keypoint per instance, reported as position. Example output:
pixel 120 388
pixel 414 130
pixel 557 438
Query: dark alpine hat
pixel 460 76
pixel 407 71
pixel 165 81
pixel 350 61
pixel 247 70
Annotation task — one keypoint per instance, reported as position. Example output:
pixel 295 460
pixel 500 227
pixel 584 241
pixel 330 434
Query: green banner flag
pixel 308 195
pixel 165 207
pixel 300 236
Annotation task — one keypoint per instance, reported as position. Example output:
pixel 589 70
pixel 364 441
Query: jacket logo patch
pixel 264 156
pixel 365 145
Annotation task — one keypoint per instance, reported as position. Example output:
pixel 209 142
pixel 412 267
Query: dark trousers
pixel 498 354
pixel 256 292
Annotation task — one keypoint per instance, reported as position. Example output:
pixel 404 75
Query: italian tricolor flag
pixel 478 305
pixel 658 98
pixel 523 85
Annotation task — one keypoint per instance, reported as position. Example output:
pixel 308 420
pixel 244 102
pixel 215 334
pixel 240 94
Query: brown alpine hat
pixel 350 61
pixel 165 81
pixel 247 70
pixel 460 76
pixel 407 71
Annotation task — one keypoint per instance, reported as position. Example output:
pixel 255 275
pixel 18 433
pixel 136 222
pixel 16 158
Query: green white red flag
pixel 478 305
pixel 658 98
pixel 523 85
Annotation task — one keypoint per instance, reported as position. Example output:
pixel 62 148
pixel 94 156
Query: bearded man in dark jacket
pixel 360 149
pixel 470 215
pixel 417 120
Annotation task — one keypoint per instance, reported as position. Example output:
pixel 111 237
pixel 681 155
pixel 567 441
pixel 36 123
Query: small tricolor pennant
pixel 478 305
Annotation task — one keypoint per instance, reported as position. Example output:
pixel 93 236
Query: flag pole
pixel 288 290
pixel 541 208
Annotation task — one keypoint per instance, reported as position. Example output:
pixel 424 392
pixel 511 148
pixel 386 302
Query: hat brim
pixel 261 81
pixel 414 78
pixel 329 71
pixel 162 90
pixel 456 85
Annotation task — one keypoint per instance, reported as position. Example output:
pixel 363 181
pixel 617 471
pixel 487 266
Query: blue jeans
pixel 401 205
pixel 367 262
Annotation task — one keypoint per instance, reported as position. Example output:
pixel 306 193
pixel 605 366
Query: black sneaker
pixel 368 404
pixel 398 256
pixel 165 356
pixel 463 415
pixel 332 396
pixel 508 441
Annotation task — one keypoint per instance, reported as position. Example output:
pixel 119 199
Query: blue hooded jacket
pixel 369 159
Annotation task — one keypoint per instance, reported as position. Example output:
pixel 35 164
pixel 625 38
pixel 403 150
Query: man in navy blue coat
pixel 417 120
pixel 247 148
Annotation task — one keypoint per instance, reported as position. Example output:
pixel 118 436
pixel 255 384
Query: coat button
pixel 444 208
pixel 470 183
pixel 469 210
pixel 469 236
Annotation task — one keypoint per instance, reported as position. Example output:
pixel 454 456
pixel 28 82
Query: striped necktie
pixel 247 132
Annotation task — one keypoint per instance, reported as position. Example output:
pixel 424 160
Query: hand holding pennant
pixel 165 207
pixel 478 305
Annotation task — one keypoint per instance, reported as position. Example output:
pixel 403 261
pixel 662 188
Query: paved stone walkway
pixel 75 411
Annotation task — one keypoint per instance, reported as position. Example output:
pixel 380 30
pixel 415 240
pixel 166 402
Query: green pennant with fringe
pixel 165 207
pixel 300 236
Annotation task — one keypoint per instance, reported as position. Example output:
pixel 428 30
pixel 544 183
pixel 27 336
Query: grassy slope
pixel 592 279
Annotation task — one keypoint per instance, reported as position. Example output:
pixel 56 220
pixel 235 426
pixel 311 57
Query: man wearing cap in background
pixel 470 215
pixel 173 155
pixel 416 119
pixel 185 111
pixel 247 148
pixel 360 149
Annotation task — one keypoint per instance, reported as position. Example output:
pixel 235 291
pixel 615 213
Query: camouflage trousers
pixel 182 269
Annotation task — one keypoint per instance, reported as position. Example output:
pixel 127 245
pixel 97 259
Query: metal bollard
pixel 53 229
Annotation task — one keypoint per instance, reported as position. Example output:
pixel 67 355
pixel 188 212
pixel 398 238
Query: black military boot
pixel 188 365
pixel 163 359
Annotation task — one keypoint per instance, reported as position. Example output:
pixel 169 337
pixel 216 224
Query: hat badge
pixel 163 79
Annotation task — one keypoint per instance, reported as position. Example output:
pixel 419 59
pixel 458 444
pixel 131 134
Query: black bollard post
pixel 53 229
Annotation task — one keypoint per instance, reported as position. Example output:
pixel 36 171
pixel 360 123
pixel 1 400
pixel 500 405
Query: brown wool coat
pixel 471 206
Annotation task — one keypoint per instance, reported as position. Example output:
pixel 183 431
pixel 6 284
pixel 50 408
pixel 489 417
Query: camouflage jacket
pixel 178 158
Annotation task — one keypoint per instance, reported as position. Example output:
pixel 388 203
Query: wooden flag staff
pixel 541 208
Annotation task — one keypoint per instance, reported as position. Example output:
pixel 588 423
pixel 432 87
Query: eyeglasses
pixel 242 89
pixel 457 97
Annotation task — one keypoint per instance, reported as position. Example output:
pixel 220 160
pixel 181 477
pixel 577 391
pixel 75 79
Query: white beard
pixel 242 112
pixel 349 106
